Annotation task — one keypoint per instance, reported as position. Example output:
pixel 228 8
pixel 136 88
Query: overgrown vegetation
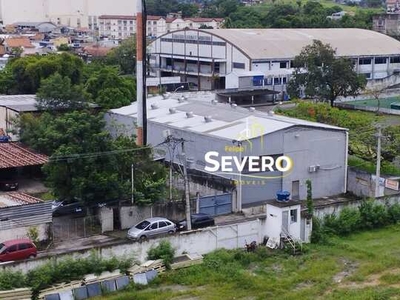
pixel 163 251
pixel 360 266
pixel 62 271
pixel 87 163
pixel 369 215
pixel 362 141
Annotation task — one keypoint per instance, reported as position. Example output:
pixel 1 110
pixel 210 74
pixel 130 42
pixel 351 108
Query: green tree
pixel 87 164
pixel 63 47
pixel 323 76
pixel 23 75
pixel 109 89
pixel 57 92
pixel 124 56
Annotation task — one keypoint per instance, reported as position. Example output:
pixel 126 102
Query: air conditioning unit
pixel 166 133
pixel 312 169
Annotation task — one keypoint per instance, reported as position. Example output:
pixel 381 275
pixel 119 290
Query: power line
pixel 56 158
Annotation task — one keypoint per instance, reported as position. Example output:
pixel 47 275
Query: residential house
pixel 387 24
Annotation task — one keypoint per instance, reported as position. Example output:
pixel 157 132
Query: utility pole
pixel 170 181
pixel 187 195
pixel 133 184
pixel 239 191
pixel 141 74
pixel 378 161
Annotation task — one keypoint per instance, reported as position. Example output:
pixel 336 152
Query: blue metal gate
pixel 216 205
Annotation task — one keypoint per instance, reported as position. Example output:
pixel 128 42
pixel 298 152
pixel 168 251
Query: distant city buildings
pixel 72 13
pixel 122 26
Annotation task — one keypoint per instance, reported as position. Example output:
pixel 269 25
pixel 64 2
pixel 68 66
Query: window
pixel 154 22
pixel 119 22
pixel 131 28
pixel 367 75
pixel 24 246
pixel 277 81
pixel 293 215
pixel 380 60
pixel 395 60
pixel 131 22
pixel 237 65
pixel 12 248
pixel 282 65
pixel 162 224
pixel 365 61
pixel 142 225
pixel 284 80
pixel 154 226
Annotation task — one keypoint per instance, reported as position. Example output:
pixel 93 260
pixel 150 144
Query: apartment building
pixel 123 26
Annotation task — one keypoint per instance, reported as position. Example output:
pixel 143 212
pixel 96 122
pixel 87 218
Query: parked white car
pixel 151 227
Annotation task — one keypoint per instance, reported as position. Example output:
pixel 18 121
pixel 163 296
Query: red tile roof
pixel 127 17
pixel 97 51
pixel 19 42
pixel 22 198
pixel 204 19
pixel 14 155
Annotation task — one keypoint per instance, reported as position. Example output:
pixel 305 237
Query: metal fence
pixel 66 228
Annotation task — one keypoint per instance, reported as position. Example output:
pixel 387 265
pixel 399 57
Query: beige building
pixel 123 26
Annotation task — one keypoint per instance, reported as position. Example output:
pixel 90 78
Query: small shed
pixel 284 219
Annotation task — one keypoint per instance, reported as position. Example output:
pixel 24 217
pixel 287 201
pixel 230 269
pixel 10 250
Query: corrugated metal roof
pixel 14 155
pixel 287 43
pixel 227 122
pixel 25 215
pixel 19 102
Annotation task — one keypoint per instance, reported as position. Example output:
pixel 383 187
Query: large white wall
pixel 13 11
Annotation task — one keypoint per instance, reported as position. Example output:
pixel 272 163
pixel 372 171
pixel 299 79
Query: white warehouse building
pixel 253 58
pixel 318 151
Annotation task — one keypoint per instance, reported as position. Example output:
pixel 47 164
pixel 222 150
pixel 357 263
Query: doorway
pixel 285 221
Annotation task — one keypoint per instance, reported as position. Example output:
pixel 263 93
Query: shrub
pixel 11 280
pixel 373 215
pixel 33 234
pixel 163 251
pixel 348 221
pixel 394 213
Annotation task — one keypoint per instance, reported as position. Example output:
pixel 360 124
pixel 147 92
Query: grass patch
pixel 269 274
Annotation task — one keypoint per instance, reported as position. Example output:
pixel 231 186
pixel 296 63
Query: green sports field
pixel 385 102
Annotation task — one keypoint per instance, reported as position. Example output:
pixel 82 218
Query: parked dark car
pixel 63 208
pixel 198 221
pixel 9 185
pixel 17 250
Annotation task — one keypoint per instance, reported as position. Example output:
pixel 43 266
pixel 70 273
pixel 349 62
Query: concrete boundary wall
pixel 200 241
pixel 321 210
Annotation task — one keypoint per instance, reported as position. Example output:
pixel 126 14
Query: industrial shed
pixel 254 59
pixel 318 151
pixel 19 212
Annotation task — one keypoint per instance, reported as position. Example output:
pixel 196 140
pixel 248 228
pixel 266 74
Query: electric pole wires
pixel 172 142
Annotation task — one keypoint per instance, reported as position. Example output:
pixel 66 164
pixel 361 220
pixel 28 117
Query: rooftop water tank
pixel 282 196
